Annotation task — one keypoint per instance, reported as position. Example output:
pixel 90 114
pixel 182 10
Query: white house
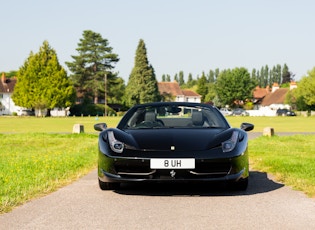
pixel 7 106
pixel 172 92
pixel 269 100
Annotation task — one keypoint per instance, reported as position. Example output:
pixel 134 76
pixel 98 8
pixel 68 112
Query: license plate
pixel 172 163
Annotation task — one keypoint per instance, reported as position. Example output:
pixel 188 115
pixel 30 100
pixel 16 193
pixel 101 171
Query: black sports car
pixel 173 141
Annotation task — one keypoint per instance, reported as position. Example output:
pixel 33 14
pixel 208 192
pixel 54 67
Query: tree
pixel 211 77
pixel 92 65
pixel 10 74
pixel 210 97
pixel 255 76
pixel 163 78
pixel 115 90
pixel 167 97
pixel 266 76
pixel 202 86
pixel 278 75
pixel 176 77
pixel 233 86
pixel 306 89
pixel 216 73
pixel 181 80
pixel 190 82
pixel 168 78
pixel 286 75
pixel 273 75
pixel 142 85
pixel 290 99
pixel 42 83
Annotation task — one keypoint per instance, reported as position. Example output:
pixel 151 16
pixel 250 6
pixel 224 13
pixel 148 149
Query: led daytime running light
pixel 114 144
pixel 229 145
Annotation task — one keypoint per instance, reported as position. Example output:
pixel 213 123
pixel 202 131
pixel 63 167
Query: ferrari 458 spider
pixel 173 142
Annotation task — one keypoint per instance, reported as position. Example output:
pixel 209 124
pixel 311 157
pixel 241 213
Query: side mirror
pixel 247 126
pixel 100 126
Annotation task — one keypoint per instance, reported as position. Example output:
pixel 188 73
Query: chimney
pixel 268 89
pixel 3 78
pixel 293 85
pixel 275 87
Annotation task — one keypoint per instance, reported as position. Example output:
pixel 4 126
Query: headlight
pixel 229 145
pixel 114 144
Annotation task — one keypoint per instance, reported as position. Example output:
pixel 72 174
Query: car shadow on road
pixel 258 183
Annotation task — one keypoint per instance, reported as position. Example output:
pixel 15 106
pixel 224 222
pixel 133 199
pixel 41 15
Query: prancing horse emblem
pixel 172 173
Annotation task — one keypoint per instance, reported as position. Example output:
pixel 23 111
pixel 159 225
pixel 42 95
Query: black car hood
pixel 174 139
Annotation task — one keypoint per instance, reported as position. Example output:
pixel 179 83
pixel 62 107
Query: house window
pixel 79 100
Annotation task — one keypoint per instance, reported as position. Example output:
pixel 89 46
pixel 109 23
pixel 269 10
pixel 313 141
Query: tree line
pixel 44 84
pixel 265 76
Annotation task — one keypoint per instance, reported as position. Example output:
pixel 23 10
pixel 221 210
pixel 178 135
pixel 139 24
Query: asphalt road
pixel 267 204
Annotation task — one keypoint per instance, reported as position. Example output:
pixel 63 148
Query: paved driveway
pixel 267 204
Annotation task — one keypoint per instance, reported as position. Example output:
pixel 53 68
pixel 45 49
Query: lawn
pixel 39 155
pixel 280 124
pixel 51 124
pixel 291 159
pixel 34 164
pixel 65 124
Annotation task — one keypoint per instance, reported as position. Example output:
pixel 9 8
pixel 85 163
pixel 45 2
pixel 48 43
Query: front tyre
pixel 108 185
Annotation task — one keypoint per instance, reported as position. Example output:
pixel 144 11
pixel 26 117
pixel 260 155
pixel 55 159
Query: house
pixel 191 96
pixel 259 94
pixel 7 106
pixel 170 91
pixel 276 98
pixel 267 101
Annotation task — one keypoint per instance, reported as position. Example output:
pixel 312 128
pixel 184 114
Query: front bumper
pixel 135 169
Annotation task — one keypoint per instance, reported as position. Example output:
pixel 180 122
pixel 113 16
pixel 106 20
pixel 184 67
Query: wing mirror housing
pixel 100 126
pixel 247 126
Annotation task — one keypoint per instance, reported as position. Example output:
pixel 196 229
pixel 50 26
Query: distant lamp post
pixel 8 90
pixel 105 99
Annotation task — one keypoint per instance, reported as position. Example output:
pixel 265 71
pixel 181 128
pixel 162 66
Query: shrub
pixel 91 110
pixel 120 113
pixel 249 105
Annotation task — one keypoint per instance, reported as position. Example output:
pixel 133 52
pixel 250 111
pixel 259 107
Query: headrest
pixel 197 118
pixel 150 116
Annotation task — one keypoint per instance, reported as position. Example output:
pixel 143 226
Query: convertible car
pixel 173 142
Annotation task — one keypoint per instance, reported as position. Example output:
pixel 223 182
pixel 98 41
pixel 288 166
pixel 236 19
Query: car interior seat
pixel 197 118
pixel 150 116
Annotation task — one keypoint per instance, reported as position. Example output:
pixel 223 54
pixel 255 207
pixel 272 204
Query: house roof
pixel 171 88
pixel 276 97
pixel 7 84
pixel 190 93
pixel 260 93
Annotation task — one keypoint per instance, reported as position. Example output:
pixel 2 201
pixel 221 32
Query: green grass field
pixel 39 155
pixel 280 124
pixel 51 124
pixel 65 124
pixel 291 159
pixel 34 164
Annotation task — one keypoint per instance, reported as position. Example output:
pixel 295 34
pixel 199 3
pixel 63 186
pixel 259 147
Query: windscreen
pixel 175 116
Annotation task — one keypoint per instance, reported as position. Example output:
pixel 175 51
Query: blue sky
pixel 192 36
